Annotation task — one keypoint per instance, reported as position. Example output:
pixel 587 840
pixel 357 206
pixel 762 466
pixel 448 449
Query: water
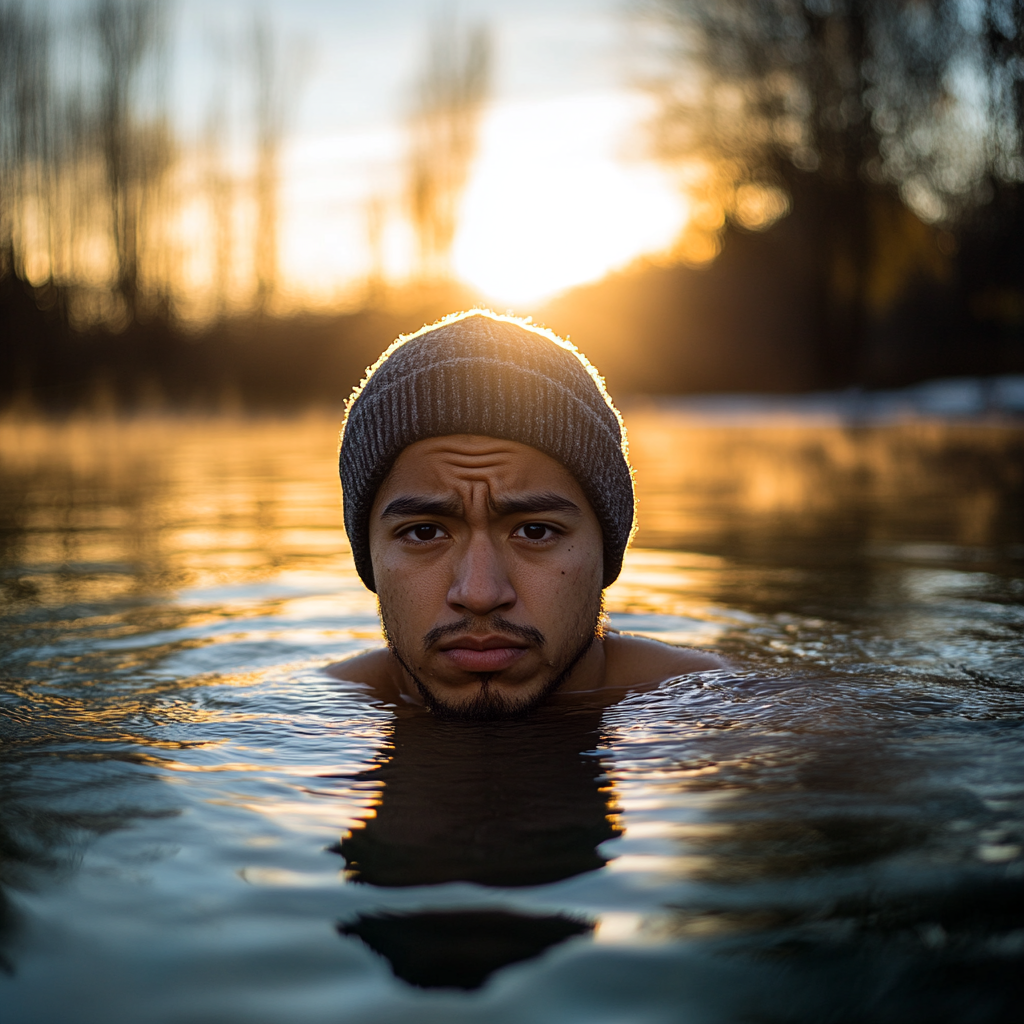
pixel 197 824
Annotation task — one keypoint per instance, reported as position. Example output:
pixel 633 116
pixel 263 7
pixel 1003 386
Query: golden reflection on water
pixel 113 508
pixel 106 509
pixel 173 528
pixel 232 517
pixel 701 480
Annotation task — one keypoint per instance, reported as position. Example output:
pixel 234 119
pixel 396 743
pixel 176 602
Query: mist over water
pixel 197 824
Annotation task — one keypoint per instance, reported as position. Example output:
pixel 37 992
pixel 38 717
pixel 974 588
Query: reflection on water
pixel 808 483
pixel 503 804
pixel 459 949
pixel 499 804
pixel 831 830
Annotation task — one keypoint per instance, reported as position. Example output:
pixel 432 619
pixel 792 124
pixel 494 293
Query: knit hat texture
pixel 479 373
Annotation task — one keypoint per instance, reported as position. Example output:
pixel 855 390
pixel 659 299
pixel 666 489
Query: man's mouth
pixel 491 653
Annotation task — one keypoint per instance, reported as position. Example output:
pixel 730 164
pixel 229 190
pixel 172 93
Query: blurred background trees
pixel 94 174
pixel 884 126
pixel 853 168
pixel 87 154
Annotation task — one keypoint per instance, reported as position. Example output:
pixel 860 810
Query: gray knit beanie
pixel 479 373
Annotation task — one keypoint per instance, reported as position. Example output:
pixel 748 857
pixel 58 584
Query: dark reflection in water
pixel 460 949
pixel 19 855
pixel 946 956
pixel 502 804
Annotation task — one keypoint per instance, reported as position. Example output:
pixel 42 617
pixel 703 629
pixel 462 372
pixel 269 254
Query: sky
pixel 561 191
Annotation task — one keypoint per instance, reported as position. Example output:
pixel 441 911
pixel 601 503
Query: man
pixel 489 501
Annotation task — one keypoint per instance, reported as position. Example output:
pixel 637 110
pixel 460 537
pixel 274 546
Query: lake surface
pixel 197 824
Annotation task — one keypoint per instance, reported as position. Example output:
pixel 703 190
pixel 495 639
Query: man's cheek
pixel 581 577
pixel 569 580
pixel 393 619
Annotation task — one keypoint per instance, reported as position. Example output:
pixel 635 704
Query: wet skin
pixel 488 561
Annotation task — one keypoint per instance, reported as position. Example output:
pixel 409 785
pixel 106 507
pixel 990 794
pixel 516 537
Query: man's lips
pixel 483 653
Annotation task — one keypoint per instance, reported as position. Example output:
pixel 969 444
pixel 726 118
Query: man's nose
pixel 481 585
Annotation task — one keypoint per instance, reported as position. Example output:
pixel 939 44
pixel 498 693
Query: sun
pixel 554 203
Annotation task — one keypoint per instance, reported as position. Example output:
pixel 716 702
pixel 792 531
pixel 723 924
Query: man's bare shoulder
pixel 637 661
pixel 378 672
pixel 374 668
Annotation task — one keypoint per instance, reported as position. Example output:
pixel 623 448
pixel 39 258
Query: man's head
pixel 488 500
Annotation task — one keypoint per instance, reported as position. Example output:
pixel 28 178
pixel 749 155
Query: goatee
pixel 489 703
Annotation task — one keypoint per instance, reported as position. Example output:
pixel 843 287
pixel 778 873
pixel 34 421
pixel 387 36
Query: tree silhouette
pixel 136 154
pixel 276 85
pixel 444 128
pixel 880 118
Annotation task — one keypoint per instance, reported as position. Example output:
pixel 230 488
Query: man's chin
pixel 491 698
pixel 484 702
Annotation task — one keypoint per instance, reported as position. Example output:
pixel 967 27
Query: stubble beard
pixel 490 704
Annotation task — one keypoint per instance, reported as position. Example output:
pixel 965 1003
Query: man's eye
pixel 534 531
pixel 425 531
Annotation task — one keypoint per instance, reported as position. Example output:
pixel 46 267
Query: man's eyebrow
pixel 416 505
pixel 546 501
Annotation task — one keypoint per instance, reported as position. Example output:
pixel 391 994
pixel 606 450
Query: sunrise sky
pixel 561 192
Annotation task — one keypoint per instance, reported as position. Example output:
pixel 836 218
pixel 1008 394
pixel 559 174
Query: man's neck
pixel 589 672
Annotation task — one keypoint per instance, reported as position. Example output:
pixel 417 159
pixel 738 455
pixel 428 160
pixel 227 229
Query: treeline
pixel 117 215
pixel 879 146
pixel 855 170
pixel 138 267
pixel 87 153
pixel 249 362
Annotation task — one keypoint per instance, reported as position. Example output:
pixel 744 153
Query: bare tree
pixel 444 130
pixel 276 78
pixel 135 155
pixel 12 30
pixel 220 195
pixel 26 125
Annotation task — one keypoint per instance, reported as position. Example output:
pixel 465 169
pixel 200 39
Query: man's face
pixel 488 562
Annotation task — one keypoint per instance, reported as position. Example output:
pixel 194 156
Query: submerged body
pixel 488 561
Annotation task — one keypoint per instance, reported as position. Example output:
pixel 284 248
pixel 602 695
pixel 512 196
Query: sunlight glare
pixel 554 202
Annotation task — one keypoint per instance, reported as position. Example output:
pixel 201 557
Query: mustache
pixel 496 624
